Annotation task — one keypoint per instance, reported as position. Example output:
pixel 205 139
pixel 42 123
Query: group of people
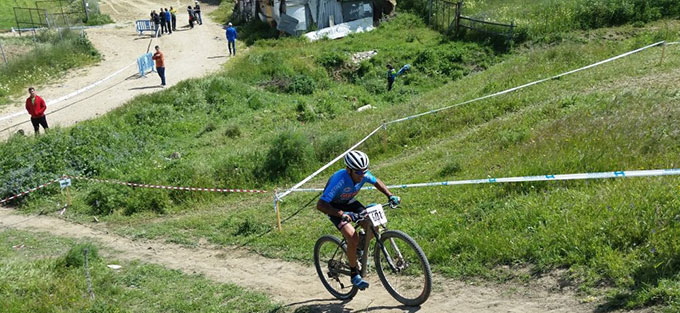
pixel 165 21
pixel 194 15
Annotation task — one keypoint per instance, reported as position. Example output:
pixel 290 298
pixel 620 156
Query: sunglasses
pixel 360 172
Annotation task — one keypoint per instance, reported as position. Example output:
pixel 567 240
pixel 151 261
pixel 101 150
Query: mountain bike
pixel 400 263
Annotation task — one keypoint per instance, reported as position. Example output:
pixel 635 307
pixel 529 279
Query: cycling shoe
pixel 359 282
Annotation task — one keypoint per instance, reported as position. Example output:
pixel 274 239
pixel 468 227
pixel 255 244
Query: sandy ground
pixel 298 286
pixel 188 53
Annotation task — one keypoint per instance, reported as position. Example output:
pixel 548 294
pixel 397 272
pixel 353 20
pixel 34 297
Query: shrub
pixel 301 84
pixel 75 257
pixel 232 131
pixel 331 59
pixel 141 200
pixel 305 112
pixel 450 169
pixel 99 19
pixel 104 199
pixel 287 156
pixel 331 146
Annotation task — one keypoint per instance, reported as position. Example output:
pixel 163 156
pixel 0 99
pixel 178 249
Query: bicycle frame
pixel 376 235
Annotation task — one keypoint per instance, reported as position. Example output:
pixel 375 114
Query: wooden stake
pixel 68 196
pixel 663 53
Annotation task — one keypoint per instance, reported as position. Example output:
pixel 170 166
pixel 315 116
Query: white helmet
pixel 356 160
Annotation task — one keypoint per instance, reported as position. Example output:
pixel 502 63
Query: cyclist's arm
pixel 326 208
pixel 382 188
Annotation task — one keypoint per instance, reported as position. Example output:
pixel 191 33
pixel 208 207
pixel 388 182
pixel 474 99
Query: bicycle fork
pixel 389 259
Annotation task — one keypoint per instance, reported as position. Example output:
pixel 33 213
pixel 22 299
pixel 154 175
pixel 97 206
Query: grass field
pixel 44 273
pixel 288 106
pixel 7 19
pixel 50 55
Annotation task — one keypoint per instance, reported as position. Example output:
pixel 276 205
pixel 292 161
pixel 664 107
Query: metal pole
pixel 459 4
pixel 63 16
pixel 16 19
pixel 4 58
pixel 429 12
pixel 87 15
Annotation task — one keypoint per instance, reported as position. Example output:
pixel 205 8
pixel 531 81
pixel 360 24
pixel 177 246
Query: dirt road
pixel 188 53
pixel 298 286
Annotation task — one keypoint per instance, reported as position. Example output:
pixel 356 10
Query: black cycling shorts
pixel 354 206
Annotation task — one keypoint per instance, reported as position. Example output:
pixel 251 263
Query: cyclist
pixel 342 208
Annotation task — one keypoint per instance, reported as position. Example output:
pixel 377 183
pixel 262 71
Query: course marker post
pixel 65 183
pixel 277 209
pixel 663 53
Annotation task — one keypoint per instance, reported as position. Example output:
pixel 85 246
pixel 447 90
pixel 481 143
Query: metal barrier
pixel 144 25
pixel 145 64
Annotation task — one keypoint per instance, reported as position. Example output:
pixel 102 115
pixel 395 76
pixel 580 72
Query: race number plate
pixel 377 215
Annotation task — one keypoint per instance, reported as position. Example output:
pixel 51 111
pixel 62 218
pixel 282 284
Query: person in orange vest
pixel 160 64
pixel 35 105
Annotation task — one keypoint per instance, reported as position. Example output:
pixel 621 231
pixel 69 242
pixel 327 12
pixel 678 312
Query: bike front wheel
pixel 332 266
pixel 403 268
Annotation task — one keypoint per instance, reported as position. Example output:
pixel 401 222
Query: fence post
pixel 459 5
pixel 87 15
pixel 4 58
pixel 16 19
pixel 429 13
pixel 663 52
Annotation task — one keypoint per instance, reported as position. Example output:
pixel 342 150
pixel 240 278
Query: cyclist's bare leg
pixel 352 239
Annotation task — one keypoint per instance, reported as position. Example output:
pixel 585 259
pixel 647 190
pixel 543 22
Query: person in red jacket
pixel 35 105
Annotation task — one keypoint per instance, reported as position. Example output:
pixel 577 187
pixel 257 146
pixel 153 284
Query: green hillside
pixel 279 112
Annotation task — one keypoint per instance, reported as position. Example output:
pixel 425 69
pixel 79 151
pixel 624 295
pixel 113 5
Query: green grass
pixel 7 20
pixel 546 19
pixel 53 55
pixel 232 127
pixel 45 274
pixel 222 14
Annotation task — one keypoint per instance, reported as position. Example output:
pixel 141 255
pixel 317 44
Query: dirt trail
pixel 193 53
pixel 188 53
pixel 296 285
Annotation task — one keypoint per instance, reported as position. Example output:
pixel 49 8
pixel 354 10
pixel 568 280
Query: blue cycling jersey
pixel 341 189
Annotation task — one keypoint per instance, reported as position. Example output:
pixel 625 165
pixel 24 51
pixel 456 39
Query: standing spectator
pixel 35 105
pixel 156 19
pixel 391 75
pixel 168 20
pixel 160 64
pixel 231 39
pixel 163 24
pixel 197 11
pixel 173 16
pixel 191 16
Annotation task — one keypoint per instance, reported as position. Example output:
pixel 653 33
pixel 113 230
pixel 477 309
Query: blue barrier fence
pixel 144 25
pixel 145 64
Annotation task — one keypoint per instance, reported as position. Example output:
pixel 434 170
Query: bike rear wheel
pixel 404 270
pixel 332 266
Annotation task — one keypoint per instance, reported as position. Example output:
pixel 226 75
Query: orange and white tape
pixel 111 181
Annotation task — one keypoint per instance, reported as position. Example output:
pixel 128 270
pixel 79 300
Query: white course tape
pixel 294 188
pixel 283 194
pixel 519 179
pixel 70 95
pixel 529 84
